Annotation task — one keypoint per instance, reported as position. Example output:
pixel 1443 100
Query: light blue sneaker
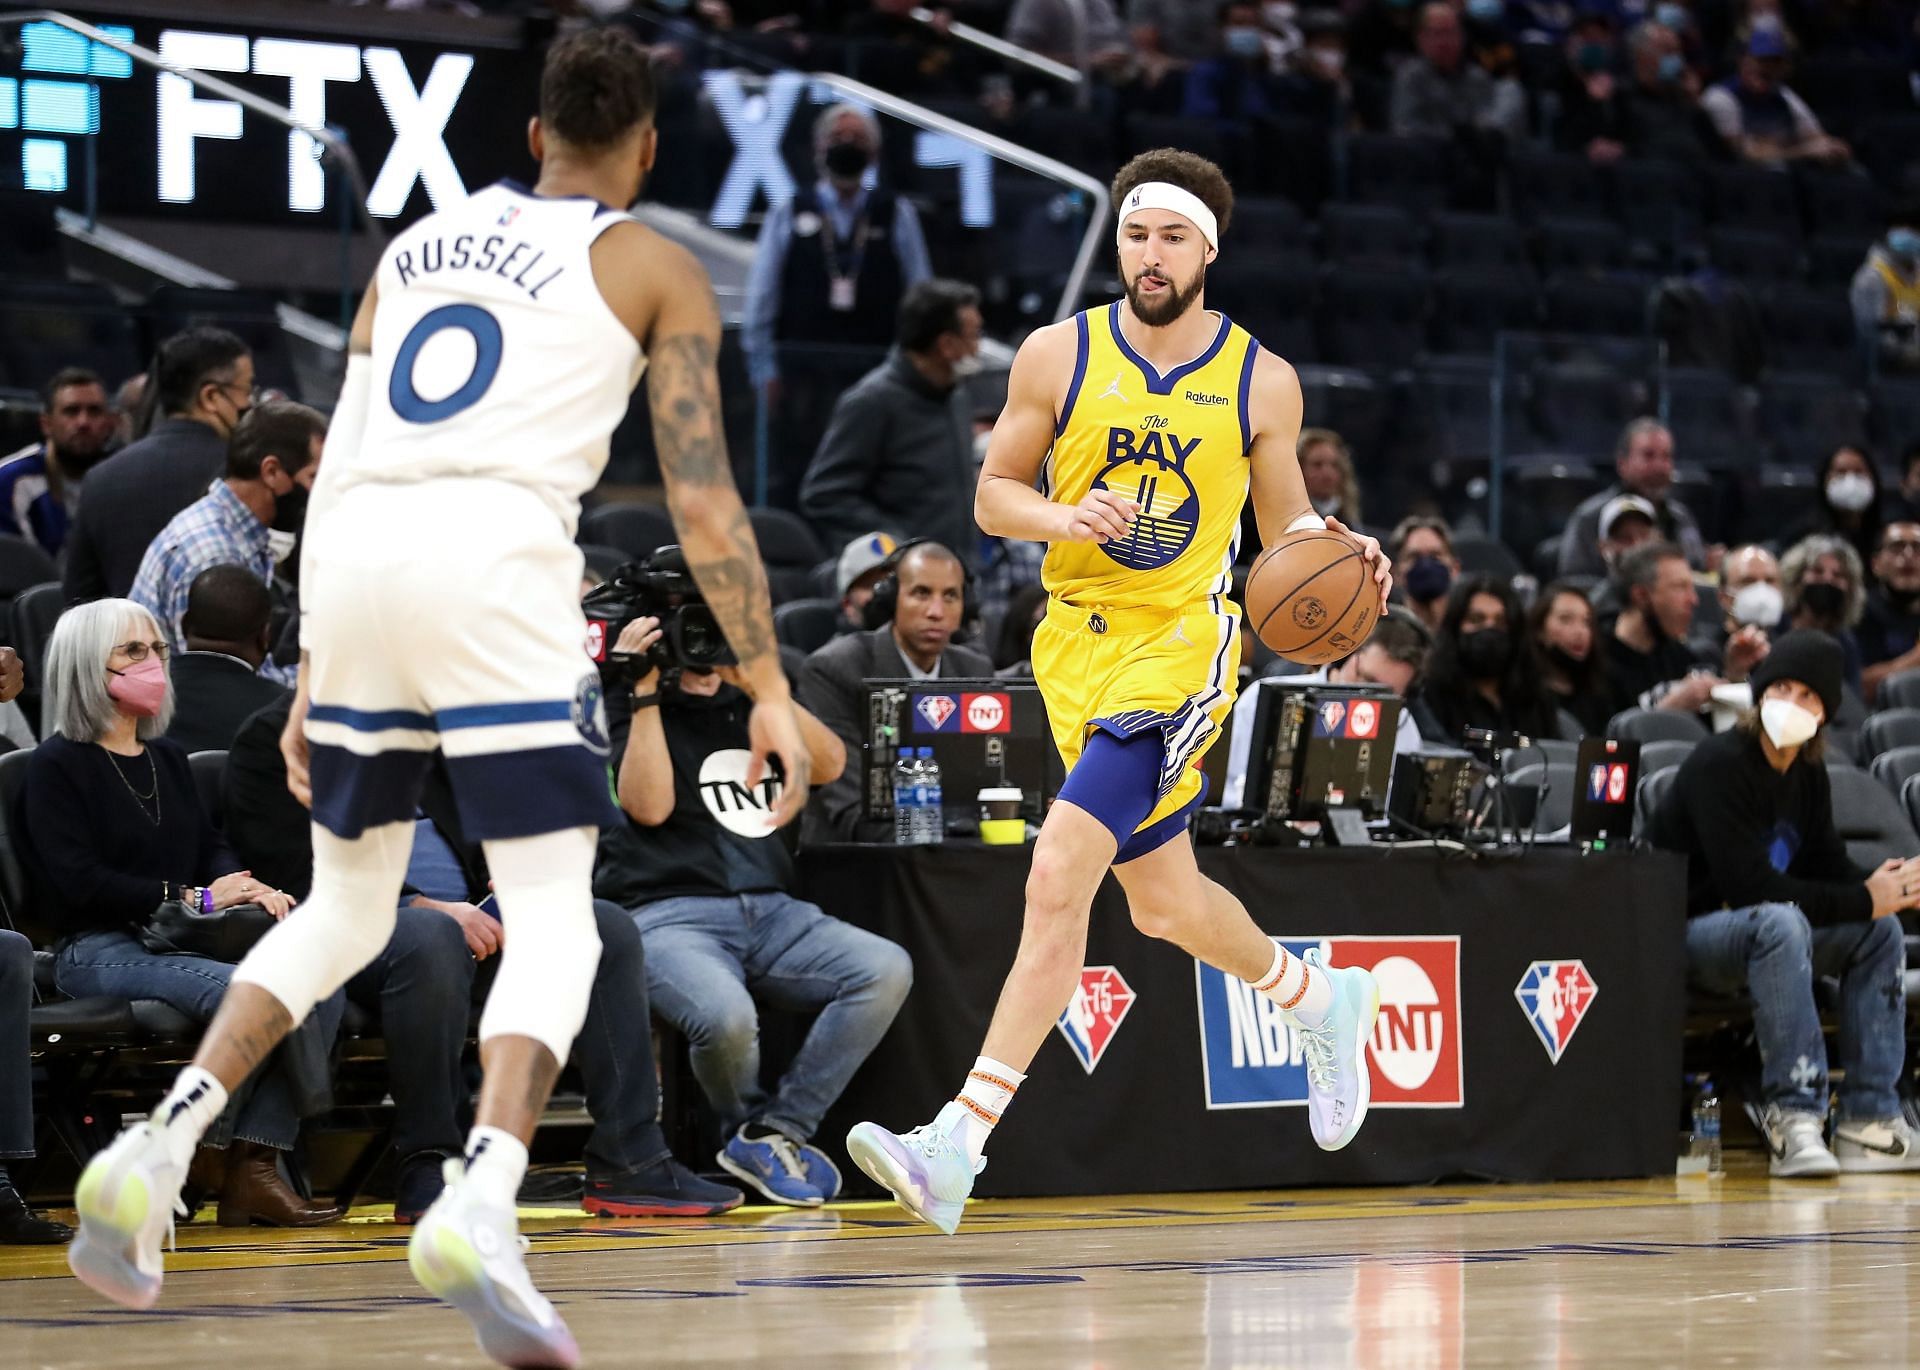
pixel 773 1165
pixel 1338 1089
pixel 822 1173
pixel 926 1170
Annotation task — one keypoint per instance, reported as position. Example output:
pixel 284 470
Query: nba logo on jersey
pixel 1252 1058
pixel 1555 996
pixel 1095 1013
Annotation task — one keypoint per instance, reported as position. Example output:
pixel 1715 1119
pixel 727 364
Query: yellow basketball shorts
pixel 1132 671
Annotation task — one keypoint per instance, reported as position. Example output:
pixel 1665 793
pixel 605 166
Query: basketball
pixel 1311 597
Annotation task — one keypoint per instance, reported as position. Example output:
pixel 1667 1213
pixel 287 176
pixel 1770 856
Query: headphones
pixel 881 608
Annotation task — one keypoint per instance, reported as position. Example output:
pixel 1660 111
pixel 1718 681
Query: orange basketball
pixel 1311 597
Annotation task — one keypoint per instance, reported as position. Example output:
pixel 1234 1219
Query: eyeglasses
pixel 1900 548
pixel 137 651
pixel 249 393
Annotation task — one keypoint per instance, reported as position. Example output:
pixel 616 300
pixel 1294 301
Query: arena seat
pixel 1581 246
pixel 603 561
pixel 1347 400
pixel 1896 414
pixel 636 529
pixel 1560 778
pixel 1413 172
pixel 1555 185
pixel 1758 255
pixel 1811 330
pixel 210 779
pixel 1485 556
pixel 1711 417
pixel 1273 299
pixel 1901 690
pixel 1887 729
pixel 1755 197
pixel 1871 821
pixel 806 624
pixel 790 551
pixel 1806 415
pixel 1476 242
pixel 1841 200
pixel 1895 766
pixel 1583 405
pixel 1832 258
pixel 1651 725
pixel 1663 205
pixel 32 615
pixel 1662 752
pixel 1369 235
pixel 1612 304
pixel 1471 309
pixel 23 565
pixel 1268 226
pixel 1647 795
pixel 1371 319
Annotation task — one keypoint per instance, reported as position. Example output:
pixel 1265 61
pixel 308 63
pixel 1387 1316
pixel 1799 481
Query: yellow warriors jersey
pixel 1139 634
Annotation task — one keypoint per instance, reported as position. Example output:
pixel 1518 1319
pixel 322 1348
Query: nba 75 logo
pixel 1097 1009
pixel 1252 1058
pixel 1555 996
pixel 936 709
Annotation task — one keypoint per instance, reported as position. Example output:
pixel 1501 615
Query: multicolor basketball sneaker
pixel 126 1199
pixel 926 1170
pixel 1338 1088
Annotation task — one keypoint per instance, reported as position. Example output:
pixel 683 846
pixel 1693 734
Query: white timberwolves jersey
pixel 494 353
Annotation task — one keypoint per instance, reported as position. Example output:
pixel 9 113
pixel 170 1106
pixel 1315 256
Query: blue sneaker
pixel 773 1165
pixel 822 1173
pixel 925 1170
pixel 1338 1089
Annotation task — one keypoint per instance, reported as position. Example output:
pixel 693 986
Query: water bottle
pixel 932 814
pixel 1706 1124
pixel 906 784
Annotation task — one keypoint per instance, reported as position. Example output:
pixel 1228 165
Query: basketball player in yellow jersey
pixel 1130 441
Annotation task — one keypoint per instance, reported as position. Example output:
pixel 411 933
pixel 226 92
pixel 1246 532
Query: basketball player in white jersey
pixel 492 357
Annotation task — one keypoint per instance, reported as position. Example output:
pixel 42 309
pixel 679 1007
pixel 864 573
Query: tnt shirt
pixel 718 840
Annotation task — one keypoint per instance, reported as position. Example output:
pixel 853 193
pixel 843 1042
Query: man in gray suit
pixel 204 380
pixel 1643 459
pixel 922 604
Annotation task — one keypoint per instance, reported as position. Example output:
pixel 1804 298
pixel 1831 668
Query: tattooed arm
pixel 681 334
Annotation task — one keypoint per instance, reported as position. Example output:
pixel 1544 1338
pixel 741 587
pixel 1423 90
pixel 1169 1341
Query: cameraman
pixel 706 877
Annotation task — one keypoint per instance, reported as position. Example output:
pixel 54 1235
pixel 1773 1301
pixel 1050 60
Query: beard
pixel 1157 311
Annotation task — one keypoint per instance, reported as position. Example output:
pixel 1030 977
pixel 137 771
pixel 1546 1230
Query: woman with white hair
pixel 1825 585
pixel 113 827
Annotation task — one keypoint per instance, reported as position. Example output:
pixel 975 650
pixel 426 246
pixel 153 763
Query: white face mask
pixel 1851 492
pixel 1758 605
pixel 1786 723
pixel 280 544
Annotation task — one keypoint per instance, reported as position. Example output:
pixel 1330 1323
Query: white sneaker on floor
pixel 1876 1144
pixel 126 1200
pixel 467 1250
pixel 1798 1144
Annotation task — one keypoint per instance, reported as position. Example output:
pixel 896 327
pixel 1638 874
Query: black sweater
pixel 1754 835
pixel 94 855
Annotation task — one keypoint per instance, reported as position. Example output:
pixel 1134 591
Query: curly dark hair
pixel 1192 173
pixel 596 86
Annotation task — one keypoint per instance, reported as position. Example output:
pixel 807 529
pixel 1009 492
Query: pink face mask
pixel 140 689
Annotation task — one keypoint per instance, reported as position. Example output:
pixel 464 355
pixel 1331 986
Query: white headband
pixel 1161 195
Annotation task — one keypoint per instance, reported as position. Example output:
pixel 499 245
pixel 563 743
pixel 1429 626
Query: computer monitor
pixel 985 733
pixel 1324 752
pixel 1606 774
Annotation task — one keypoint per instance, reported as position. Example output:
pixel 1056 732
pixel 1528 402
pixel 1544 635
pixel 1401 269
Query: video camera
pixel 663 588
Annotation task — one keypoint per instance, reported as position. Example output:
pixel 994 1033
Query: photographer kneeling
pixel 706 876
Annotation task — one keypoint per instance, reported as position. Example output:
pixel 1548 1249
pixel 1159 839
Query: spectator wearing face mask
pixel 1423 550
pixel 1443 91
pixel 1483 672
pixel 1889 631
pixel 1593 110
pixel 1886 293
pixel 832 266
pixel 1750 599
pixel 1236 84
pixel 1662 102
pixel 1561 624
pixel 1824 581
pixel 1316 84
pixel 1848 504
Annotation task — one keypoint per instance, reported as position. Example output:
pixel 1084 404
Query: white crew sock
pixel 989 1089
pixel 496 1163
pixel 1290 983
pixel 189 1109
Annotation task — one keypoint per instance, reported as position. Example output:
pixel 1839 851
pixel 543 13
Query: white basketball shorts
pixel 447 616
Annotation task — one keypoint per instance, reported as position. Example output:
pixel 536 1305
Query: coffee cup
pixel 1000 820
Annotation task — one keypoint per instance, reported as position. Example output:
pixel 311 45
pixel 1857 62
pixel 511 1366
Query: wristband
pixel 650 700
pixel 206 899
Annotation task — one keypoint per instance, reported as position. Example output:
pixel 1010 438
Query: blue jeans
pixel 708 956
pixel 115 964
pixel 16 1044
pixel 423 986
pixel 1771 952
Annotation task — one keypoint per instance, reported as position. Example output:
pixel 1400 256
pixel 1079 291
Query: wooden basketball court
pixel 1740 1270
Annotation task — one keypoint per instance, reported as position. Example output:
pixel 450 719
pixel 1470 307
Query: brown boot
pixel 206 1177
pixel 255 1193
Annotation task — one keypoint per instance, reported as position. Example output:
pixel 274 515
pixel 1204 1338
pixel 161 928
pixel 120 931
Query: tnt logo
pixel 596 640
pixel 1363 720
pixel 936 710
pixel 1252 1058
pixel 1098 1008
pixel 984 714
pixel 1555 996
